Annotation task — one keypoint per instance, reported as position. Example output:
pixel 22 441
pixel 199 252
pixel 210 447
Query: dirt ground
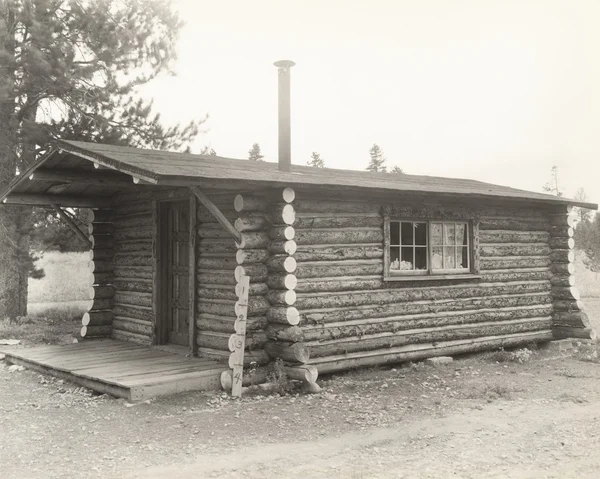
pixel 473 418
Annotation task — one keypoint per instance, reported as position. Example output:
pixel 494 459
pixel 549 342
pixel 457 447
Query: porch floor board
pixel 121 369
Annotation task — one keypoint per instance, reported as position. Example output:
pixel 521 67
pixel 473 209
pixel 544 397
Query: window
pixel 427 247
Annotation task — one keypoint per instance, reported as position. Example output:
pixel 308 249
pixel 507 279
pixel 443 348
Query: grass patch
pixel 67 278
pixel 519 356
pixel 588 352
pixel 36 331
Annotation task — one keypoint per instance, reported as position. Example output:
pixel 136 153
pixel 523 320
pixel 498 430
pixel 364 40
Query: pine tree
pixel 316 160
pixel 254 153
pixel 70 69
pixel 396 169
pixel 377 162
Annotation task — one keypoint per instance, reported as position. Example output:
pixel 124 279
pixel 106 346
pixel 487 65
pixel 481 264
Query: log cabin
pixel 346 268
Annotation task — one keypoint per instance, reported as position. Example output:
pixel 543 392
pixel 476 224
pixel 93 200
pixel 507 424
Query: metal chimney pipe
pixel 285 145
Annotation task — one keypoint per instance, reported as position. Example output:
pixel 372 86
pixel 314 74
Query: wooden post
pixel 237 341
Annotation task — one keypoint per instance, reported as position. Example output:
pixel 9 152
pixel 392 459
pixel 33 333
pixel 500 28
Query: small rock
pixel 559 346
pixel 15 368
pixel 439 361
pixel 2 356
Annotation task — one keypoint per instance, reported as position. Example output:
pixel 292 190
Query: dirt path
pixel 473 418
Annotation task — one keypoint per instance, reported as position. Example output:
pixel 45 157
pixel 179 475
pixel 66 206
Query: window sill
pixel 433 277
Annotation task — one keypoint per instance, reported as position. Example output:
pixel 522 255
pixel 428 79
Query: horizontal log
pixel 562 256
pixel 360 221
pixel 97 318
pixel 101 254
pixel 139 285
pixel 100 228
pixel 99 304
pixel 282 297
pixel 245 256
pixel 225 324
pixel 254 240
pixel 291 334
pixel 348 313
pixel 281 263
pixel 133 299
pixel 338 252
pixel 132 325
pixel 205 217
pixel 59 200
pixel 514 249
pixel 563 269
pixel 370 326
pixel 507 236
pixel 217 232
pixel 581 333
pixel 257 306
pixel 415 352
pixel 288 194
pixel 134 247
pixel 326 269
pixel 220 340
pixel 561 243
pixel 282 233
pixel 257 356
pixel 102 241
pixel 131 259
pixel 143 313
pixel 216 246
pixel 568 220
pixel 574 319
pixel 562 231
pixel 340 283
pixel 304 373
pixel 282 281
pixel 144 221
pixel 208 276
pixel 283 247
pixel 257 272
pixel 291 352
pixel 101 292
pixel 222 263
pixel 217 293
pixel 103 278
pixel 334 207
pixel 338 236
pixel 563 280
pixel 282 214
pixel 287 315
pixel 562 293
pixel 504 275
pixel 138 272
pixel 502 223
pixel 133 233
pixel 429 335
pixel 361 298
pixel 255 289
pixel 99 216
pixel 141 339
pixel 567 305
pixel 505 262
pixel 96 331
pixel 253 222
pixel 132 208
pixel 249 203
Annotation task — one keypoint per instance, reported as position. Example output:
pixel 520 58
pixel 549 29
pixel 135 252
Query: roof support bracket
pixel 67 219
pixel 216 212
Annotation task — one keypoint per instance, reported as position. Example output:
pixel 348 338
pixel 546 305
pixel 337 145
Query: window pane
pixel 436 234
pixel 463 257
pixel 449 234
pixel 394 233
pixel 406 233
pixel 420 258
pixel 421 234
pixel 436 257
pixel 407 261
pixel 461 234
pixel 394 258
pixel 449 257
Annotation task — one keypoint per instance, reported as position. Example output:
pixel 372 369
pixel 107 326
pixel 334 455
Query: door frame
pixel 160 250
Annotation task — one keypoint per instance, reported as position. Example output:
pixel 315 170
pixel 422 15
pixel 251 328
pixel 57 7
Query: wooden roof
pixel 185 169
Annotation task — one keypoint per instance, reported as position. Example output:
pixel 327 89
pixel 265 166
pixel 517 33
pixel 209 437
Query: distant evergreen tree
pixel 377 162
pixel 396 169
pixel 316 160
pixel 254 153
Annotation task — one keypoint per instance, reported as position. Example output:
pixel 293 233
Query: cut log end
pixel 288 195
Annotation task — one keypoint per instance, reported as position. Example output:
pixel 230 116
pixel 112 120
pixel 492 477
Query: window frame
pixel 429 217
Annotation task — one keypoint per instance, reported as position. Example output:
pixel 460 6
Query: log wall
pixel 98 321
pixel 346 315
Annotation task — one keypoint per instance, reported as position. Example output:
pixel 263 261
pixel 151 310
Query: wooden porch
pixel 121 369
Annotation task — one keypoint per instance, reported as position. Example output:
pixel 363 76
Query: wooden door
pixel 176 222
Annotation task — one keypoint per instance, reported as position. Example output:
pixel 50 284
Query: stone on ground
pixel 15 368
pixel 439 361
pixel 560 345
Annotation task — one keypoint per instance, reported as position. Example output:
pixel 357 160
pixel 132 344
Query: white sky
pixel 495 90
